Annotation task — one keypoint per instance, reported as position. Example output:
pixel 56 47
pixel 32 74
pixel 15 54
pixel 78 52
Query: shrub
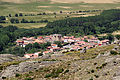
pixel 1 67
pixel 92 71
pixel 96 76
pixel 95 63
pixel 48 75
pixel 30 72
pixel 28 78
pixel 113 52
pixel 3 77
pixel 59 70
pixel 55 75
pixel 17 75
pixel 66 71
pixel 91 79
pixel 104 64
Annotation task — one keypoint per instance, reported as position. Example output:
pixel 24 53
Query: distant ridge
pixel 86 1
pixel 63 1
pixel 22 1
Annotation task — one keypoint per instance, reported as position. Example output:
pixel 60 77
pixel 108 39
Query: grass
pixel 6 64
pixel 34 8
pixel 27 8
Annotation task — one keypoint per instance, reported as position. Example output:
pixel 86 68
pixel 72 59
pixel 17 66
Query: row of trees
pixel 14 20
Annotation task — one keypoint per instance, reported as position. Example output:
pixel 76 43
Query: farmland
pixel 50 7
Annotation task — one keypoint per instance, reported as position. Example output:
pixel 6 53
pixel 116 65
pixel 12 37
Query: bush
pixel 66 71
pixel 113 52
pixel 1 67
pixel 3 77
pixel 28 78
pixel 96 76
pixel 48 75
pixel 92 71
pixel 17 75
pixel 104 64
pixel 59 70
pixel 91 79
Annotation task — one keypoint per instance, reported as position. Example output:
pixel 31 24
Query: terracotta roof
pixel 47 52
pixel 53 44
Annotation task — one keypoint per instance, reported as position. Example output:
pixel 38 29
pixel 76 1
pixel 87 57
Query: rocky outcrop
pixel 24 67
pixel 9 57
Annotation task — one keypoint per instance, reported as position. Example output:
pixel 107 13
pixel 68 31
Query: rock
pixel 99 55
pixel 107 53
pixel 9 58
pixel 109 59
pixel 10 71
pixel 116 78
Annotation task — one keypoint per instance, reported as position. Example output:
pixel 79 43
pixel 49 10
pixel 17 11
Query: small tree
pixel 117 36
pixel 58 43
pixel 16 15
pixel 20 14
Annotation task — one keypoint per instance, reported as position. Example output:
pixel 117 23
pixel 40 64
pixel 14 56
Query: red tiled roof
pixel 53 44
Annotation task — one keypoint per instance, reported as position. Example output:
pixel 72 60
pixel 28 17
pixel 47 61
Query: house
pixel 19 42
pixel 46 52
pixel 40 37
pixel 54 49
pixel 105 42
pixel 54 45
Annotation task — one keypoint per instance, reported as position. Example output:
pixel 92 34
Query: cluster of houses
pixel 72 43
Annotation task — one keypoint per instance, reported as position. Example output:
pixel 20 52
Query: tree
pixel 11 28
pixel 1 47
pixel 117 36
pixel 61 12
pixel 1 26
pixel 14 20
pixel 58 43
pixel 110 37
pixel 36 45
pixel 16 15
pixel 10 15
pixel 28 47
pixel 20 14
pixel 2 18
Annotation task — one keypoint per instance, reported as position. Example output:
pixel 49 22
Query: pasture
pixel 50 7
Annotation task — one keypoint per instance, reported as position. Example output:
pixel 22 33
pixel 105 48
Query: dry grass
pixel 86 1
pixel 63 1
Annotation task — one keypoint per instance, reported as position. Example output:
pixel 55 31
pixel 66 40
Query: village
pixel 70 44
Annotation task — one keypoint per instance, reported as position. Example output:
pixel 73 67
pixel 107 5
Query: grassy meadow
pixel 49 8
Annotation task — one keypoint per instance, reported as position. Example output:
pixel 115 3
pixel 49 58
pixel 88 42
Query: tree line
pixel 15 20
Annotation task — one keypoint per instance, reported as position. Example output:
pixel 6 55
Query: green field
pixel 49 8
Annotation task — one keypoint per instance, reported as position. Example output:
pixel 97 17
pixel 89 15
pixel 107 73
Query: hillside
pixel 92 65
pixel 63 1
pixel 86 1
pixel 22 1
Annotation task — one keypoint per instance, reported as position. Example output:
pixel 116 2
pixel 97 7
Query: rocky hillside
pixel 96 64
